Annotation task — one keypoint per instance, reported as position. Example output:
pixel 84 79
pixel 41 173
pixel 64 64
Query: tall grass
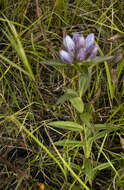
pixel 45 144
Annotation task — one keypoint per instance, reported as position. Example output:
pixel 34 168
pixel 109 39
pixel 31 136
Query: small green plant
pixel 80 56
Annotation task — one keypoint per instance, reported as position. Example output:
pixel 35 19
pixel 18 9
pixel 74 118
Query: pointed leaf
pixel 69 125
pixel 84 83
pixel 100 59
pixel 70 94
pixel 88 170
pixel 78 104
pixel 96 60
pixel 102 166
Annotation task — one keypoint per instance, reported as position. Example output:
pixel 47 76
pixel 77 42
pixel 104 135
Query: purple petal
pixel 90 40
pixel 69 44
pixel 93 52
pixel 79 40
pixel 80 43
pixel 75 36
pixel 81 55
pixel 89 50
pixel 65 56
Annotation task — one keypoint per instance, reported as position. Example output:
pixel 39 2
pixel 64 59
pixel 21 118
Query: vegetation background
pixel 33 154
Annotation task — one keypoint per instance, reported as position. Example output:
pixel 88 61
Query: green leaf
pixel 87 146
pixel 120 68
pixel 76 166
pixel 78 104
pixel 84 83
pixel 99 135
pixel 86 117
pixel 69 125
pixel 14 65
pixel 69 143
pixel 102 166
pixel 16 43
pixel 98 59
pixel 55 63
pixel 69 94
pixel 111 87
pixel 88 170
pixel 107 127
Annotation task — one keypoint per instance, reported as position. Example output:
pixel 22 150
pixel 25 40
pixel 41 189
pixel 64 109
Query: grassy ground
pixel 33 153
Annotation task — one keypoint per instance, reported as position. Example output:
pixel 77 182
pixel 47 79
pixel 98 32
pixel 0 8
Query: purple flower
pixel 69 44
pixel 93 52
pixel 78 47
pixel 76 35
pixel 81 55
pixel 65 56
pixel 81 42
pixel 90 40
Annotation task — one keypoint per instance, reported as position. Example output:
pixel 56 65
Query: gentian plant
pixel 79 54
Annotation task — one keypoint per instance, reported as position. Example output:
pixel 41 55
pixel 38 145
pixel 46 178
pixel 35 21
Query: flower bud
pixel 80 43
pixel 93 52
pixel 79 40
pixel 90 40
pixel 69 44
pixel 75 36
pixel 65 56
pixel 81 55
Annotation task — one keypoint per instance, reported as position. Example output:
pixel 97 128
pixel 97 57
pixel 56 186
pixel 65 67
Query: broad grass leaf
pixel 16 43
pixel 69 125
pixel 102 166
pixel 14 65
pixel 78 104
pixel 69 143
pixel 69 94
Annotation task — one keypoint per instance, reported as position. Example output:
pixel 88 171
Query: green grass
pixel 47 138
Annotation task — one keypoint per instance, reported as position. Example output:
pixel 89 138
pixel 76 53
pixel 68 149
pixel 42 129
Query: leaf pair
pixel 74 97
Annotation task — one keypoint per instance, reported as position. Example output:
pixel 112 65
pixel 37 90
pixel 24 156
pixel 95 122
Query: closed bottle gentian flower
pixel 76 35
pixel 78 47
pixel 65 56
pixel 90 40
pixel 81 55
pixel 93 52
pixel 69 44
pixel 80 43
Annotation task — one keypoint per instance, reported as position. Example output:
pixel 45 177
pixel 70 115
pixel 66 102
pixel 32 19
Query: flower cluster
pixel 78 48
